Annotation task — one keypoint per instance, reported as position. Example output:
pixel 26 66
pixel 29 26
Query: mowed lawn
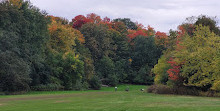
pixel 106 99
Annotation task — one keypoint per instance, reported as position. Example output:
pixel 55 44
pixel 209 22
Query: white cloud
pixel 160 14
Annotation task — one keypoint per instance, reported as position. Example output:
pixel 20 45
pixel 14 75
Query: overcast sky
pixel 160 14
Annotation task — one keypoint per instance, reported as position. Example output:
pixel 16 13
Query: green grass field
pixel 106 99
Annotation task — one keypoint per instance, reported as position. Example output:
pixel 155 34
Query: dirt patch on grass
pixel 62 101
pixel 214 100
pixel 50 96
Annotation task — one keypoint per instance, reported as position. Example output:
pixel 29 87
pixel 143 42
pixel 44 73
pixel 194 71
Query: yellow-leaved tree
pixel 67 67
pixel 200 56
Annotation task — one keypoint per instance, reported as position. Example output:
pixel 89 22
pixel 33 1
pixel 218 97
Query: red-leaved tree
pixel 141 31
pixel 79 20
pixel 161 38
pixel 174 72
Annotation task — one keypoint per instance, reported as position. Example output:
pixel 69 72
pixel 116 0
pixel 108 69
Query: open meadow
pixel 106 99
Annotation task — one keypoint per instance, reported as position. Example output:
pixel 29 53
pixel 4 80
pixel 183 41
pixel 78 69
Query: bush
pixel 81 85
pixel 183 90
pixel 164 89
pixel 113 80
pixel 47 87
pixel 151 88
pixel 143 76
pixel 95 83
pixel 216 86
pixel 160 89
pixel 209 93
pixel 85 85
pixel 78 85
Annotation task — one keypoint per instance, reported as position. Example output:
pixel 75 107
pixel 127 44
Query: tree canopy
pixel 41 52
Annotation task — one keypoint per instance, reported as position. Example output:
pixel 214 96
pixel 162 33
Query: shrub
pixel 160 89
pixel 95 83
pixel 217 94
pixel 151 88
pixel 209 93
pixel 216 86
pixel 85 85
pixel 81 85
pixel 180 90
pixel 78 85
pixel 113 80
pixel 183 90
pixel 47 87
pixel 163 89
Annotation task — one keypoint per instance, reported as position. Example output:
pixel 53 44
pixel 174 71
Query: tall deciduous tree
pixel 106 70
pixel 97 40
pixel 160 71
pixel 129 24
pixel 145 56
pixel 67 68
pixel 199 54
pixel 210 22
pixel 24 34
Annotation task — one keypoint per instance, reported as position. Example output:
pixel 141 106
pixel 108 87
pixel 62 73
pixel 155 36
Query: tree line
pixel 41 52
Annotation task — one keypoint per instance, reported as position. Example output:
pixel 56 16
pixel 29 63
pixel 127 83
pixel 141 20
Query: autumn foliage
pixel 38 51
pixel 174 72
pixel 79 20
pixel 63 35
pixel 161 38
pixel 141 31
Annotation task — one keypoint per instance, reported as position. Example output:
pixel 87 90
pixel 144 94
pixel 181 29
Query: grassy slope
pixel 106 100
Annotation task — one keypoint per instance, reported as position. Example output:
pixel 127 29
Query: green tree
pixel 97 40
pixel 145 56
pixel 210 22
pixel 129 24
pixel 144 52
pixel 106 70
pixel 73 69
pixel 28 27
pixel 14 73
pixel 121 71
pixel 89 69
pixel 120 46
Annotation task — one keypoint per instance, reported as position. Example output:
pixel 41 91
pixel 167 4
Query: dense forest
pixel 42 52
